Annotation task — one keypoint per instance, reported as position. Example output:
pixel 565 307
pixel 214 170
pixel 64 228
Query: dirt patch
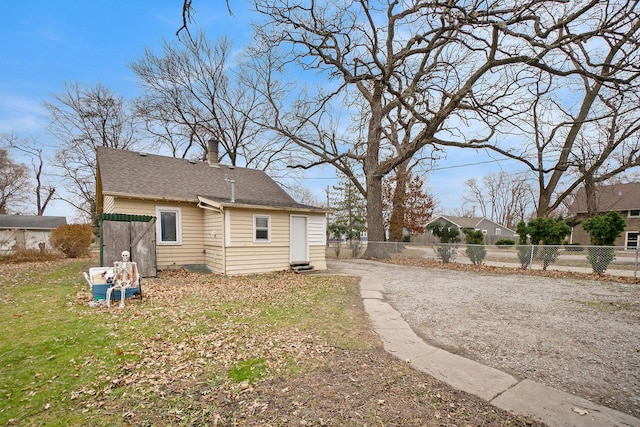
pixel 575 334
pixel 358 388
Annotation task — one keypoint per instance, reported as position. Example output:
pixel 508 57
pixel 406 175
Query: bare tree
pixel 506 198
pixel 81 119
pixel 14 183
pixel 305 196
pixel 44 189
pixel 187 16
pixel 191 96
pixel 582 128
pixel 457 68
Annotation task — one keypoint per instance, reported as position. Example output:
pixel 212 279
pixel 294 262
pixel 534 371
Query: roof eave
pixel 149 197
pixel 227 205
pixel 273 208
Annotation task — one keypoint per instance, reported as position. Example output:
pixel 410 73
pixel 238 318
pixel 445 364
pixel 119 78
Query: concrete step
pixel 300 267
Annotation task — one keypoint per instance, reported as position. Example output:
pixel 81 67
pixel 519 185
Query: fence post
pixel 531 259
pixel 635 265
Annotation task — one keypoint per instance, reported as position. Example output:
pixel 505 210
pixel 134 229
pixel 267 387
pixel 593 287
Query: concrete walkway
pixel 553 407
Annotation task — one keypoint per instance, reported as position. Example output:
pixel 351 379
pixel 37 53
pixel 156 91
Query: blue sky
pixel 46 43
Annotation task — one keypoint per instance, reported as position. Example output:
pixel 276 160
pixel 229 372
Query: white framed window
pixel 261 228
pixel 634 213
pixel 498 231
pixel 631 240
pixel 168 226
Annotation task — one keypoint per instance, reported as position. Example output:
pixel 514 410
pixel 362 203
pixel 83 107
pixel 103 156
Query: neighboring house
pixel 231 220
pixel 27 231
pixel 621 198
pixel 492 230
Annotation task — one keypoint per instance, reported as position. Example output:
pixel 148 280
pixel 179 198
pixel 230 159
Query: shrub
pixel 505 242
pixel 73 240
pixel 600 257
pixel 449 236
pixel 475 247
pixel 549 232
pixel 604 230
pixel 526 254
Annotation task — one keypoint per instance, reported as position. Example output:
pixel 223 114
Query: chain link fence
pixel 613 260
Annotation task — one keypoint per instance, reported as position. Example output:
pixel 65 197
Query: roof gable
pixel 615 197
pixel 459 221
pixel 31 222
pixel 472 222
pixel 133 174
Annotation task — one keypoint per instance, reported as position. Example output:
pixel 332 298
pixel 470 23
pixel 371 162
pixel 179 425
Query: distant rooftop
pixel 31 222
pixel 615 197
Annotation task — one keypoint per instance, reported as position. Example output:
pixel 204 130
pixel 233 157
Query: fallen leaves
pixel 193 328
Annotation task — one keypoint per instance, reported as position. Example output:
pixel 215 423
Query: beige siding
pixel 317 241
pixel 108 204
pixel 242 228
pixel 317 230
pixel 203 238
pixel 247 260
pixel 246 256
pixel 191 251
pixel 317 257
pixel 213 238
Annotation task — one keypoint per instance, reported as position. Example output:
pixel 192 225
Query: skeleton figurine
pixel 125 275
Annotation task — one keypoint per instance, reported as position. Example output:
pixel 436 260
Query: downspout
pixel 224 240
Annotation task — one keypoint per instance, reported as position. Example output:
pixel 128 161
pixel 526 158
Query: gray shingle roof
pixel 31 222
pixel 616 197
pixel 124 172
pixel 463 222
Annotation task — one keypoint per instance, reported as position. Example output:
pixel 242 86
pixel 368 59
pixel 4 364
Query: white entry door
pixel 298 240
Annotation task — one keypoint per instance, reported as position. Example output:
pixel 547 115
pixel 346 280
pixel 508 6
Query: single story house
pixel 492 230
pixel 621 198
pixel 27 231
pixel 228 219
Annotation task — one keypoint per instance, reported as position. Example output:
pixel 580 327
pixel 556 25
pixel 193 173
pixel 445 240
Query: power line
pixel 467 164
pixel 430 170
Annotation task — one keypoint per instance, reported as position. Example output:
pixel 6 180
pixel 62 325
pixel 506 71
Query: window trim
pixel 626 240
pixel 255 228
pixel 178 212
pixel 629 215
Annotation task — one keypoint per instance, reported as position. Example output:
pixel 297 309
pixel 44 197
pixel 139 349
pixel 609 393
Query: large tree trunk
pixel 376 247
pixel 375 223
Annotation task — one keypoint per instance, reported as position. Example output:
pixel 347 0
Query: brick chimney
pixel 212 155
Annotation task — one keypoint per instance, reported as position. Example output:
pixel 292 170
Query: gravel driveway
pixel 579 336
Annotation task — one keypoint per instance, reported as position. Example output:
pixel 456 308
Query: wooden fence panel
pixel 143 247
pixel 137 237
